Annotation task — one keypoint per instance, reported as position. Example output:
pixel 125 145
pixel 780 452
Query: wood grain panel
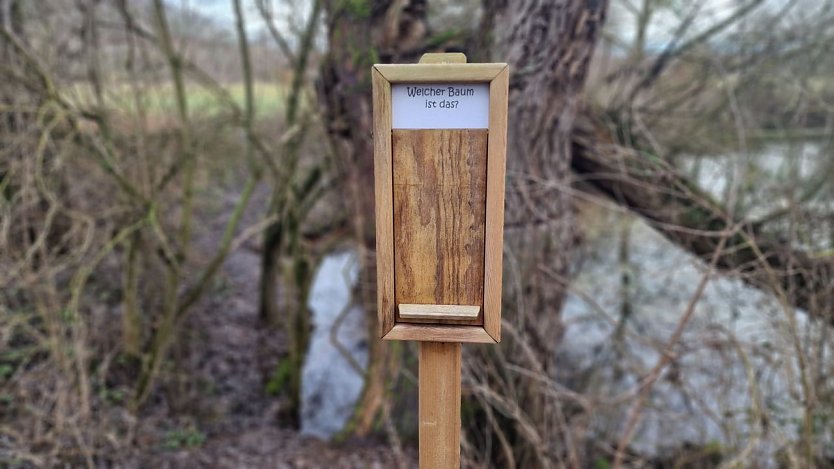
pixel 439 218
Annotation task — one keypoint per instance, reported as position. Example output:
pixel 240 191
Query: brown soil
pixel 220 378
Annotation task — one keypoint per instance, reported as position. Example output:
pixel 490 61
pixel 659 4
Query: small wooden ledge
pixel 439 333
pixel 411 311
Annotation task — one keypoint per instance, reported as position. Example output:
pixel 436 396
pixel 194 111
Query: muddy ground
pixel 224 416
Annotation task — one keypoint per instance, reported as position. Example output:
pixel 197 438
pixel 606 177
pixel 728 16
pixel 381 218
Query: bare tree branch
pixel 691 219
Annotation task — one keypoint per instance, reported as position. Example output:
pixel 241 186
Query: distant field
pixel 159 101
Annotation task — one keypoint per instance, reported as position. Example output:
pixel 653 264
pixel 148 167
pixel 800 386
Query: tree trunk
pixel 361 34
pixel 549 46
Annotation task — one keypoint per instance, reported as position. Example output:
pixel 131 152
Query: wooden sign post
pixel 440 131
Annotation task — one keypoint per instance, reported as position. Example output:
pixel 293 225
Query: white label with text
pixel 440 106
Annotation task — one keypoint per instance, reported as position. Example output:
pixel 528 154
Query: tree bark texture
pixel 548 45
pixel 361 34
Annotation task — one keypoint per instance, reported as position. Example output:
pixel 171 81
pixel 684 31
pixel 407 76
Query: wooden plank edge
pixel 442 333
pixel 440 73
pixel 443 58
pixel 494 220
pixel 432 311
pixel 383 182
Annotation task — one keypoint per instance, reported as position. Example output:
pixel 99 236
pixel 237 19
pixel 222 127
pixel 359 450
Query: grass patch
pixel 185 438
pixel 160 101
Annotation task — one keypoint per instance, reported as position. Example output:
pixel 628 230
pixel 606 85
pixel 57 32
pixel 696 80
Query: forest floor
pixel 222 415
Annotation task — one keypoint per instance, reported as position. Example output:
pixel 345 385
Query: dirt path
pixel 230 421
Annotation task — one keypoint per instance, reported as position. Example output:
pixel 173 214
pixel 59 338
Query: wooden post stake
pixel 439 405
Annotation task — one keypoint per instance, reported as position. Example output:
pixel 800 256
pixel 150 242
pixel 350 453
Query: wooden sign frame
pixel 383 76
